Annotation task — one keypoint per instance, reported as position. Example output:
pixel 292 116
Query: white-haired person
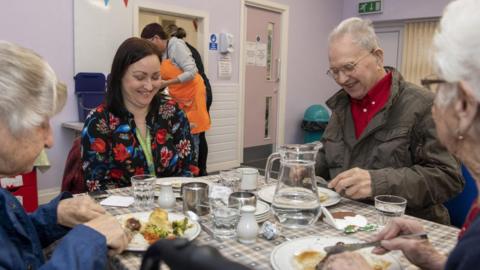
pixel 30 95
pixel 457 118
pixel 381 138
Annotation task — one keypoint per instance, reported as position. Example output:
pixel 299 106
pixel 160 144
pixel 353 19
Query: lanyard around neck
pixel 147 148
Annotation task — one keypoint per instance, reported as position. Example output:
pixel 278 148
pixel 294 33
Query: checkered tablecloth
pixel 257 256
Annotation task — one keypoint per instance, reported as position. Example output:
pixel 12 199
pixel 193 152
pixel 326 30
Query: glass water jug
pixel 295 201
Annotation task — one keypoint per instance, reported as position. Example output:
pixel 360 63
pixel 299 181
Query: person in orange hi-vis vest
pixel 180 74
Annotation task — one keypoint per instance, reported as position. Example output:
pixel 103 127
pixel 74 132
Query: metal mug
pixel 241 198
pixel 195 198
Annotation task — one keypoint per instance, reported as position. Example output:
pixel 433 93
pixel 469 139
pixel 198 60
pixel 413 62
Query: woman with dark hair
pixel 137 130
pixel 180 74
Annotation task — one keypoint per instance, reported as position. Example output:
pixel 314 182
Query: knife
pixel 339 248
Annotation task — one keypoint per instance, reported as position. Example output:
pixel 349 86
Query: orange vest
pixel 191 96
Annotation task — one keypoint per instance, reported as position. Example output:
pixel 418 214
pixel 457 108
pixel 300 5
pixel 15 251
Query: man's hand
pixel 418 251
pixel 347 261
pixel 355 183
pixel 78 210
pixel 108 226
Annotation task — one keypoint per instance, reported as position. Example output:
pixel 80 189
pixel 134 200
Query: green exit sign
pixel 370 7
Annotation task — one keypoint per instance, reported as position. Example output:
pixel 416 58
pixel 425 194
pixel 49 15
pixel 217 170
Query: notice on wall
pixel 261 55
pixel 251 51
pixel 225 66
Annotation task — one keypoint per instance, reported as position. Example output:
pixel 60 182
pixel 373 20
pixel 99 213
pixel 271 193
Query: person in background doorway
pixel 381 137
pixel 30 95
pixel 180 33
pixel 457 118
pixel 138 130
pixel 179 74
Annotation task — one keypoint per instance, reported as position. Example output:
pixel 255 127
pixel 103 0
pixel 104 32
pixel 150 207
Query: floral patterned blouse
pixel 111 152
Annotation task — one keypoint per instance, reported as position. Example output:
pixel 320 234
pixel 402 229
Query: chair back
pixel 73 174
pixel 459 206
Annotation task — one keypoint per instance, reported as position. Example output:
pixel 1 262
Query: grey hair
pixel 29 90
pixel 360 30
pixel 457 43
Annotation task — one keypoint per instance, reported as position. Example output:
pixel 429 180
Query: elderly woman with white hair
pixel 29 95
pixel 457 118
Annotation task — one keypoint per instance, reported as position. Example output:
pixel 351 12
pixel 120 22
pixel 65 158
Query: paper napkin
pixel 119 201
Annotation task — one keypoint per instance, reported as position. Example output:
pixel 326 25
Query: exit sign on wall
pixel 369 7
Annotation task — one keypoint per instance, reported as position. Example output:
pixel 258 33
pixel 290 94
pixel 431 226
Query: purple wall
pixel 47 28
pixel 399 10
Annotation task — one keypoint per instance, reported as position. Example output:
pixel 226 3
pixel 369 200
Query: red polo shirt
pixel 363 110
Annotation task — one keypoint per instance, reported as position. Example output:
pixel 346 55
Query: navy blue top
pixel 466 254
pixel 23 236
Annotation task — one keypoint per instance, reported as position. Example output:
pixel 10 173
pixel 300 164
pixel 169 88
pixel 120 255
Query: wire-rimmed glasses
pixel 348 68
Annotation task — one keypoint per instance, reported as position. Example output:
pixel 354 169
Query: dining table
pixel 258 255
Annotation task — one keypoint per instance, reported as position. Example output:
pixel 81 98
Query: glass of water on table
pixel 143 189
pixel 225 218
pixel 389 206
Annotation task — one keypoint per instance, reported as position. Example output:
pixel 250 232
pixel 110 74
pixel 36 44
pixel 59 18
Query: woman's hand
pixel 108 226
pixel 418 251
pixel 78 210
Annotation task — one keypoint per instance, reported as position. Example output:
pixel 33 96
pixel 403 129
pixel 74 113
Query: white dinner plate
pixel 262 209
pixel 282 256
pixel 139 243
pixel 267 192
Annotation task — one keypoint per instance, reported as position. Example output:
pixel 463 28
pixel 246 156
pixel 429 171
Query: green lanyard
pixel 147 149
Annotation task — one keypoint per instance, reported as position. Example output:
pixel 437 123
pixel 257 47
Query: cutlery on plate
pixel 341 247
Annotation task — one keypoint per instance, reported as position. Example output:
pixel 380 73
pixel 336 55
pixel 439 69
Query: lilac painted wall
pixel 399 10
pixel 47 28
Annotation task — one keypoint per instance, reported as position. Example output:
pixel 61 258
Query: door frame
pixel 282 91
pixel 203 22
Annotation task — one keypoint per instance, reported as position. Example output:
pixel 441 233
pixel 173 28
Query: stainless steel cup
pixel 195 198
pixel 241 198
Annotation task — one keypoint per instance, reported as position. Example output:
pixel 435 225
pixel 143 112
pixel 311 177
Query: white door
pixel 261 79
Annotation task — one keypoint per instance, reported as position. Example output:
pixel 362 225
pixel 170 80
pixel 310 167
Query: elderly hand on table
pixel 108 226
pixel 78 210
pixel 355 183
pixel 418 251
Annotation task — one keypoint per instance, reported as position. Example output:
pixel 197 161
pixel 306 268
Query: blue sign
pixel 213 38
pixel 213 46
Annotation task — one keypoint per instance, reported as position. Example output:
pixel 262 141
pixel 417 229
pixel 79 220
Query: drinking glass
pixel 389 206
pixel 225 219
pixel 143 189
pixel 230 179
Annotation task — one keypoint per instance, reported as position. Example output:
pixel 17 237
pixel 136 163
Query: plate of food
pixel 148 227
pixel 306 252
pixel 327 197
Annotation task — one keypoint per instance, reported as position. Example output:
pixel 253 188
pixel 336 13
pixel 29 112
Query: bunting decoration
pixel 106 2
pixel 125 2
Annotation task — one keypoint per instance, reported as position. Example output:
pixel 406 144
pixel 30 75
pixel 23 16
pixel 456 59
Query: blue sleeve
pixel 81 248
pixel 45 221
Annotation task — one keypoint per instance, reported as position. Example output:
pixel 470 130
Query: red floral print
pixel 161 136
pixel 98 145
pixel 116 173
pixel 120 152
pixel 165 156
pixel 183 148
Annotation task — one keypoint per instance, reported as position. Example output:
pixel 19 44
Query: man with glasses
pixel 381 137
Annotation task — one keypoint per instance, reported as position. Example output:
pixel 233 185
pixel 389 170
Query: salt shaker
pixel 247 228
pixel 166 199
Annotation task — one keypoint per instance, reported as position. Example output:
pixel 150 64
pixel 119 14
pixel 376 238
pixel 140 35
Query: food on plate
pixel 323 196
pixel 309 259
pixel 158 226
pixel 133 224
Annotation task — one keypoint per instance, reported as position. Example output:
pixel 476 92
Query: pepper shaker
pixel 247 228
pixel 166 198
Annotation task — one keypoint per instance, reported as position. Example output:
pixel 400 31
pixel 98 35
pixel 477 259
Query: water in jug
pixel 295 201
